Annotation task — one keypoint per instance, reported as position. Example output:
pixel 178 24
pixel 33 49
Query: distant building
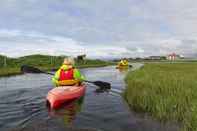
pixel 174 56
pixel 181 56
pixel 156 58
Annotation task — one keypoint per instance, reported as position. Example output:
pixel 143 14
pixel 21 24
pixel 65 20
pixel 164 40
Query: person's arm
pixel 55 78
pixel 78 75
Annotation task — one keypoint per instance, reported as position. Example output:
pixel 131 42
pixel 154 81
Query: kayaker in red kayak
pixel 68 75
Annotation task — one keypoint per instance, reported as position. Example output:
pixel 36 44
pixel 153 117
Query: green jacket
pixel 77 74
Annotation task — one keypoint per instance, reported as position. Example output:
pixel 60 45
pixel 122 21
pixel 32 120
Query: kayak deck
pixel 60 95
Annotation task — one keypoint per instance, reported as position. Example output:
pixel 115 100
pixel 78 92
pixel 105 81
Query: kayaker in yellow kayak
pixel 123 63
pixel 67 75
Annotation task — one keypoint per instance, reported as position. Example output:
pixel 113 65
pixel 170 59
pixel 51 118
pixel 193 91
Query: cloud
pixel 112 28
pixel 18 43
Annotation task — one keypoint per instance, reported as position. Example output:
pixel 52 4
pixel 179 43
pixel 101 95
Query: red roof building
pixel 173 56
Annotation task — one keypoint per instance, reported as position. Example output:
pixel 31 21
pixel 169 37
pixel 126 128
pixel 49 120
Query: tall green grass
pixel 166 91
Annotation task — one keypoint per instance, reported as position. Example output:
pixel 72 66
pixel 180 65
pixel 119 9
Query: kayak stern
pixel 60 95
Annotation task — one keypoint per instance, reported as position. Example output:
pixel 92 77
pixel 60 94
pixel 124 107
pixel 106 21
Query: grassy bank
pixel 44 62
pixel 166 91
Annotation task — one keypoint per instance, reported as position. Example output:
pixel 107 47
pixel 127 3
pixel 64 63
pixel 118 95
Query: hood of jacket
pixel 66 67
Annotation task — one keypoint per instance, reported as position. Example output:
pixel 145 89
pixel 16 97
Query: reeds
pixel 166 91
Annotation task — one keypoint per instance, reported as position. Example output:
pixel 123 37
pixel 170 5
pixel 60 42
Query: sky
pixel 98 28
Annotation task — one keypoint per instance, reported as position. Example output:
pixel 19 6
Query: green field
pixel 45 62
pixel 167 91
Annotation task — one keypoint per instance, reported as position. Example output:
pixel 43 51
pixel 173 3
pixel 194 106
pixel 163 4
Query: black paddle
pixel 30 69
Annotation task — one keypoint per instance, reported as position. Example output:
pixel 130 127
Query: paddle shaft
pixel 29 69
pixel 92 82
pixel 48 73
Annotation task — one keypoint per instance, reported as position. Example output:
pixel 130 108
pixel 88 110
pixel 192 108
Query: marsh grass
pixel 166 91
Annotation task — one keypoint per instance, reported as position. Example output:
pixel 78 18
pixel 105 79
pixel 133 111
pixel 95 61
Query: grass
pixel 43 62
pixel 9 71
pixel 167 91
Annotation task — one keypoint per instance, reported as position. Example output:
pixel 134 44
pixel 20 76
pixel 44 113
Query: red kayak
pixel 60 95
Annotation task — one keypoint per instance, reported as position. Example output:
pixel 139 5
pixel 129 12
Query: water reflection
pixel 123 70
pixel 68 111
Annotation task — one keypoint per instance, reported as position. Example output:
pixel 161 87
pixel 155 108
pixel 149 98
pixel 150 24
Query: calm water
pixel 23 106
